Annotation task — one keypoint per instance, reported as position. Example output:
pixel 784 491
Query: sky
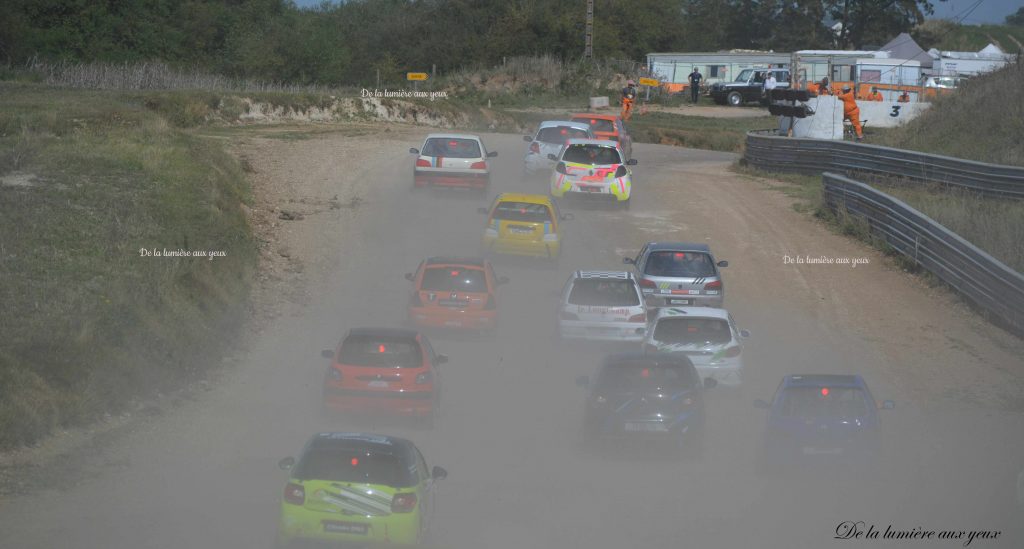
pixel 989 12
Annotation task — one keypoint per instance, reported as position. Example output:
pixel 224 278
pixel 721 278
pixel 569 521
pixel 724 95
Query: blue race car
pixel 640 396
pixel 815 418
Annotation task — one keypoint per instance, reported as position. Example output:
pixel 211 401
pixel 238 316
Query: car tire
pixel 624 204
pixel 735 99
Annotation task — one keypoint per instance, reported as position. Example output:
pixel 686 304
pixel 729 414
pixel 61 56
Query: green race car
pixel 356 487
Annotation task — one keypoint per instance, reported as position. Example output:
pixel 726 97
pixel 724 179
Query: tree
pixel 875 21
pixel 1017 18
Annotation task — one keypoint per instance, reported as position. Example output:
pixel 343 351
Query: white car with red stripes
pixel 707 336
pixel 603 306
pixel 452 160
pixel 593 169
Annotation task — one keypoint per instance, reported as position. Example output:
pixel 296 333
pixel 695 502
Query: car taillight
pixel 491 305
pixel 642 317
pixel 560 168
pixel 565 315
pixel 713 285
pixel 733 352
pixel 415 301
pixel 334 374
pixel 294 494
pixel 644 283
pixel 535 147
pixel 425 377
pixel 403 503
pixel 478 165
pixel 421 163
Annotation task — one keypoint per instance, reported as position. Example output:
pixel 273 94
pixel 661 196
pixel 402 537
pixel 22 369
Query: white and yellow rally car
pixel 592 168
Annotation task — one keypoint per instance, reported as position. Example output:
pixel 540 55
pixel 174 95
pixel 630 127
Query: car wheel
pixel 735 99
pixel 624 204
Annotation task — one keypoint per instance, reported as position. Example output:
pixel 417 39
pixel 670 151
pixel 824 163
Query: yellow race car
pixel 524 224
pixel 357 488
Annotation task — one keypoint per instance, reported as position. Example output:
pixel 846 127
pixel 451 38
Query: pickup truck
pixel 748 86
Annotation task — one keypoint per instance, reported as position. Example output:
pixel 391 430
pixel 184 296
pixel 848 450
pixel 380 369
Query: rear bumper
pixel 729 375
pixel 453 180
pixel 415 404
pixel 662 300
pixel 535 163
pixel 298 527
pixel 453 319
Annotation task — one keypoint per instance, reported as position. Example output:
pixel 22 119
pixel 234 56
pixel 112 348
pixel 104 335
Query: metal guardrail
pixel 771 152
pixel 981 278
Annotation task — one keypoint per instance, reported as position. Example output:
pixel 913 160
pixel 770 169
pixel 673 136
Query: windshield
pixel 642 374
pixel 385 352
pixel 454 279
pixel 595 155
pixel 832 402
pixel 680 264
pixel 558 134
pixel 692 331
pixel 598 124
pixel 604 292
pixel 522 211
pixel 452 148
pixel 345 461
pixel 744 75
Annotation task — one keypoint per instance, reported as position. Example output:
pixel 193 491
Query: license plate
pixel 646 427
pixel 520 229
pixel 379 383
pixel 679 301
pixel 811 451
pixel 450 303
pixel 345 527
pixel 589 189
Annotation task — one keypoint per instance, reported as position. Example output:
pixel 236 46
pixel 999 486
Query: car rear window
pixel 597 124
pixel 454 279
pixel 597 155
pixel 344 461
pixel 604 292
pixel 522 211
pixel 385 352
pixel 680 264
pixel 639 374
pixel 836 402
pixel 558 134
pixel 451 148
pixel 685 330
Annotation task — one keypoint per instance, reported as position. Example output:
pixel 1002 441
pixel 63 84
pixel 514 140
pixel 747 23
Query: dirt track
pixel 203 475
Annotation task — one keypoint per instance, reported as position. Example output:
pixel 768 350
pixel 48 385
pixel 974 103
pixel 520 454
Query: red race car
pixel 384 370
pixel 455 293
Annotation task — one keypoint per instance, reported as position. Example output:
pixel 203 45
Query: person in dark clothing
pixel 695 79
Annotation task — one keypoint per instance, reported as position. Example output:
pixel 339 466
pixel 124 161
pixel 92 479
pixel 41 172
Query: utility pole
pixel 588 48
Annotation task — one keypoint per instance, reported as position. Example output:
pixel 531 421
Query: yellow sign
pixel 649 82
pixel 416 76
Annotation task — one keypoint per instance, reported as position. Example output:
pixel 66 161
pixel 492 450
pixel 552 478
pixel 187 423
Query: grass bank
pixel 92 185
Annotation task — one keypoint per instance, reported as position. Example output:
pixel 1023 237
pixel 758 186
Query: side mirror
pixel 722 263
pixel 408 276
pixel 502 280
pixel 583 381
pixel 527 138
pixel 552 157
pixel 744 333
pixel 888 405
pixel 441 359
pixel 628 261
pixel 710 382
pixel 492 154
pixel 631 162
pixel 438 473
pixel 414 150
pixel 761 404
pixel 286 463
pixel 482 211
pixel 327 353
pixel 567 217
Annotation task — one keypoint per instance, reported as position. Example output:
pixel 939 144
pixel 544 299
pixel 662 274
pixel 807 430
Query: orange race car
pixel 454 293
pixel 608 126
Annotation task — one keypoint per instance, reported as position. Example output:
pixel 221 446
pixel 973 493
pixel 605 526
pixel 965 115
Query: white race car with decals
pixel 592 168
pixel 602 305
pixel 707 336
